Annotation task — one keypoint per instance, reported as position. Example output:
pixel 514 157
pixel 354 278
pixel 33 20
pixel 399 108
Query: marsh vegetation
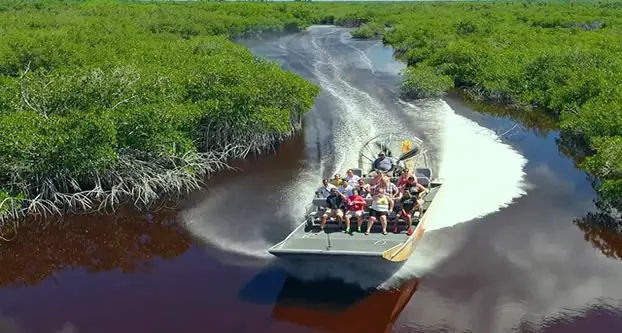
pixel 107 102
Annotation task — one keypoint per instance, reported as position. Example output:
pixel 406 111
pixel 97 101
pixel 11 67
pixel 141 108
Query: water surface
pixel 505 256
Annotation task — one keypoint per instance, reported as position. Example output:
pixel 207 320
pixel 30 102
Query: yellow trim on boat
pixel 403 251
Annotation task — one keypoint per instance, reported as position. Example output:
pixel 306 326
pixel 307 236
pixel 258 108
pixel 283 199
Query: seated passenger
pixel 409 205
pixel 381 205
pixel 377 178
pixel 351 178
pixel 404 177
pixel 382 163
pixel 356 205
pixel 324 190
pixel 334 202
pixel 388 188
pixel 363 189
pixel 413 186
pixel 336 180
pixel 345 189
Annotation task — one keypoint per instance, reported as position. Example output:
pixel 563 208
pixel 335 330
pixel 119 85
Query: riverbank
pixel 557 57
pixel 111 102
pixel 98 111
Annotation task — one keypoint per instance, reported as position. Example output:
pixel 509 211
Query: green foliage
pixel 369 30
pixel 94 95
pixel 425 82
pixel 606 164
pixel 92 86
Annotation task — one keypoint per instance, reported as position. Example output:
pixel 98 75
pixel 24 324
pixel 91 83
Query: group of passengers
pixel 346 198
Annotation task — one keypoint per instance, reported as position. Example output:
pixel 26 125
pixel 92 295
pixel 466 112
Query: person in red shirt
pixel 404 177
pixel 356 205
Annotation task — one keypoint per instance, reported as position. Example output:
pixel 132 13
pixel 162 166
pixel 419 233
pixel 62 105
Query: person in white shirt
pixel 351 178
pixel 324 190
pixel 346 189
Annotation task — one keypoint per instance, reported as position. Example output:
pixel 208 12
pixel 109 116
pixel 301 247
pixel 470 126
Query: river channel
pixel 504 256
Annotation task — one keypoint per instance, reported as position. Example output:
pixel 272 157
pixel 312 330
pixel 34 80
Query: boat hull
pixel 365 271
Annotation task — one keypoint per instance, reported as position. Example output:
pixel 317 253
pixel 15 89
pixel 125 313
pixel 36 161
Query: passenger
pixel 413 186
pixel 389 188
pixel 377 178
pixel 334 202
pixel 351 178
pixel 381 205
pixel 337 180
pixel 345 189
pixel 364 189
pixel 356 205
pixel 383 163
pixel 324 190
pixel 409 205
pixel 404 177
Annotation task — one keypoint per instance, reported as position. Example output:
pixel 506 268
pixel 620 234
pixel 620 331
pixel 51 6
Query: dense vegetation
pixel 107 101
pixel 102 102
pixel 560 57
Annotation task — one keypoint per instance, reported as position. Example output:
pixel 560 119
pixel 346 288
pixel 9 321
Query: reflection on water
pixel 603 232
pixel 96 243
pixel 330 306
pixel 336 308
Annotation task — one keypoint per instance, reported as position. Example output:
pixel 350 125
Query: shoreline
pixel 217 136
pixel 166 151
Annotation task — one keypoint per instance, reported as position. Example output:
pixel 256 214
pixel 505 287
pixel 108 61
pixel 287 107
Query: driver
pixel 383 163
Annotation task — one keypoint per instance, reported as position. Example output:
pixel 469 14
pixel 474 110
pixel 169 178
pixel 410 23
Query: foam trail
pixel 466 154
pixel 470 154
pixel 364 58
pixel 239 230
pixel 481 174
pixel 215 222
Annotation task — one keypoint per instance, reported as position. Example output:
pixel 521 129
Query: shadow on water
pixel 329 305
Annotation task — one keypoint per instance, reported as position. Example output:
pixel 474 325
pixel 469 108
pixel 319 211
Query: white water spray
pixel 481 176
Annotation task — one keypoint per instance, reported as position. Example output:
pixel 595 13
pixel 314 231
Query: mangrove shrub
pixel 425 82
pixel 103 102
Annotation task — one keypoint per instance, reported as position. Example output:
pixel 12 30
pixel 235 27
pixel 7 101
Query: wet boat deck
pixel 334 240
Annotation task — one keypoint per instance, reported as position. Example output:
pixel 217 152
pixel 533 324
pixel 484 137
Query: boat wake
pixel 357 102
pixel 473 159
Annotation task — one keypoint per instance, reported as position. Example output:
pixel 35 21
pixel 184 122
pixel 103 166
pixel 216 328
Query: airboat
pixel 306 242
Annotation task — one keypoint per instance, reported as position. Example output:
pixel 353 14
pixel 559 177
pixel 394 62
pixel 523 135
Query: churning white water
pixel 481 174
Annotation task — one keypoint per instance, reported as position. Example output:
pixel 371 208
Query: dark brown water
pixel 505 257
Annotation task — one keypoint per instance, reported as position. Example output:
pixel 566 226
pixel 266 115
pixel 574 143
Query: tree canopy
pixel 103 101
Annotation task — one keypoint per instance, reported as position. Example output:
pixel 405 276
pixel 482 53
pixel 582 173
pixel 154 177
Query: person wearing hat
pixel 383 163
pixel 334 203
